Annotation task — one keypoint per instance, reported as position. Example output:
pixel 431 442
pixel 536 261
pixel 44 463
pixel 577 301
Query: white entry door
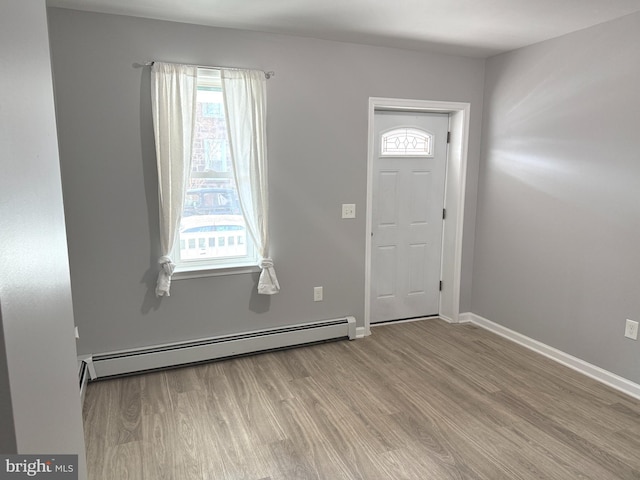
pixel 410 163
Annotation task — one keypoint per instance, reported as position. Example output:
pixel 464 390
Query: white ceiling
pixel 478 28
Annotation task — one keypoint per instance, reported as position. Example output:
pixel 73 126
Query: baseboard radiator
pixel 83 377
pixel 202 350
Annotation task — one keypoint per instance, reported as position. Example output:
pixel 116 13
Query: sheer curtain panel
pixel 245 102
pixel 173 100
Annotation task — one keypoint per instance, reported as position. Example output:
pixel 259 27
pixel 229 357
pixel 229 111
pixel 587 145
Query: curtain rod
pixel 267 75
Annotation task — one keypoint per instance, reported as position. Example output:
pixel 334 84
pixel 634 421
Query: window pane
pixel 211 207
pixel 215 155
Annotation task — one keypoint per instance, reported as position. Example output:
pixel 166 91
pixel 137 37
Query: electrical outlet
pixel 631 329
pixel 348 210
pixel 317 294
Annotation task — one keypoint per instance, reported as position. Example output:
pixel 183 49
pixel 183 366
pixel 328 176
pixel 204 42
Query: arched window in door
pixel 406 142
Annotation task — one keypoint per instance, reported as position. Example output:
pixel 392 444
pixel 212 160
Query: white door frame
pixel 454 198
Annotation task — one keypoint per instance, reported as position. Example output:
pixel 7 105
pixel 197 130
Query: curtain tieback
pixel 266 263
pixel 268 282
pixel 164 276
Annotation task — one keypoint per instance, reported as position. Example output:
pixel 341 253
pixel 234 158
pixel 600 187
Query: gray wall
pixel 317 136
pixel 35 292
pixel 557 254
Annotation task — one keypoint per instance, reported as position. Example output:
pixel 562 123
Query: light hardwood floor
pixel 423 400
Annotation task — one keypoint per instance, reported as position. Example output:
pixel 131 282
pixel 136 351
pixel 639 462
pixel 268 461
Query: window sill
pixel 183 273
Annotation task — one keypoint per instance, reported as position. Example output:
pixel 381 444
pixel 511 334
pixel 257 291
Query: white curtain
pixel 244 93
pixel 173 101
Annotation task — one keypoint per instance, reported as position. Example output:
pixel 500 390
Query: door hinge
pixel 448 137
pixel 444 213
pixel 440 285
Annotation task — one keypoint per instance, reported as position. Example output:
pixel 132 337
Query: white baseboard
pixel 447 319
pixel 603 376
pixel 361 332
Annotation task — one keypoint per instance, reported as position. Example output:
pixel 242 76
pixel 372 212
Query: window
pixel 406 142
pixel 211 187
pixel 211 207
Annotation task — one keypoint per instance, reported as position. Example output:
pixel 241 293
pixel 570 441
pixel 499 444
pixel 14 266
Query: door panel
pixel 420 186
pixel 388 198
pixel 408 198
pixel 417 274
pixel 387 261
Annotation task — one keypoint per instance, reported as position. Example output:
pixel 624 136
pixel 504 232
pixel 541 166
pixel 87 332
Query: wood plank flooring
pixel 423 400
